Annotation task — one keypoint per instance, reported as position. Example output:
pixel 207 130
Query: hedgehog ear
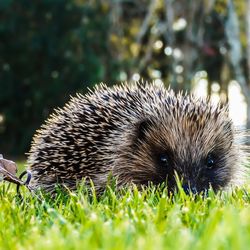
pixel 142 128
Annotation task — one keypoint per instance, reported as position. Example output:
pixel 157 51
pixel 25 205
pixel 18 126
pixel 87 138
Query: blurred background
pixel 50 49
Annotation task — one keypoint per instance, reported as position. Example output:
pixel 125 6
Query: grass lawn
pixel 127 220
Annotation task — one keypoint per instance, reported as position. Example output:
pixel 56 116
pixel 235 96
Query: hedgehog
pixel 138 133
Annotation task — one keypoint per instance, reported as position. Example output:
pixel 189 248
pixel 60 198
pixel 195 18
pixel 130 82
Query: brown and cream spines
pixel 139 133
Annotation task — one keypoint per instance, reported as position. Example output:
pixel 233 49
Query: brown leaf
pixel 10 166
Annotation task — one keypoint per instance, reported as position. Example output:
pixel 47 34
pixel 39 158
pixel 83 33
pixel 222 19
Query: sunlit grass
pixel 130 219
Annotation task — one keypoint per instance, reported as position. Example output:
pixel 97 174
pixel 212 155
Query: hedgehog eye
pixel 164 160
pixel 210 161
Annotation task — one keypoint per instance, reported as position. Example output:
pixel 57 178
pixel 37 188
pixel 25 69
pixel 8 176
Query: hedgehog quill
pixel 139 133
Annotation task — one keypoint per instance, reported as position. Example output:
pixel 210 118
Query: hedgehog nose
pixel 189 189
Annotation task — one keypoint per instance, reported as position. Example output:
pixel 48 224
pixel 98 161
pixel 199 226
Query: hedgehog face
pixel 200 151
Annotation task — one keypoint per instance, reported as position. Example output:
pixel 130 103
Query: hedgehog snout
pixel 189 189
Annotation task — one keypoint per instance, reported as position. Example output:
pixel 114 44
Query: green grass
pixel 127 220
